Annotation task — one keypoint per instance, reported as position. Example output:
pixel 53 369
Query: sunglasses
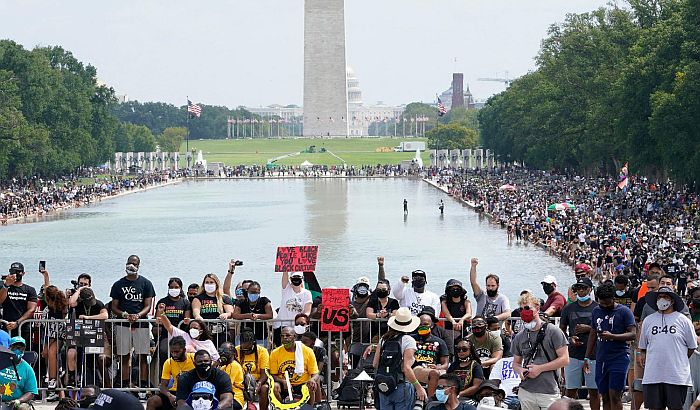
pixel 463 349
pixel 442 386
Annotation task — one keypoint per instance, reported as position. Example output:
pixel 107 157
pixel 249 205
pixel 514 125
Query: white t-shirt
pixel 503 371
pixel 667 339
pixel 291 305
pixel 409 298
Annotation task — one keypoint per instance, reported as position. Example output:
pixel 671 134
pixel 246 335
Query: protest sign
pixel 85 333
pixel 296 259
pixel 336 314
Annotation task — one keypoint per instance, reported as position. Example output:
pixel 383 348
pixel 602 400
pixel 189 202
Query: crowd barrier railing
pixel 77 353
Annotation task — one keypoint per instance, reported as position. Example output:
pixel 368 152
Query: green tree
pixel 452 136
pixel 171 139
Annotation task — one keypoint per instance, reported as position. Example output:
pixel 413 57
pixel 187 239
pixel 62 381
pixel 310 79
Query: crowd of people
pixel 257 171
pixel 626 330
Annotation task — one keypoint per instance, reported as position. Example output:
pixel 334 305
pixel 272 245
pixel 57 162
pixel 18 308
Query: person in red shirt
pixel 555 300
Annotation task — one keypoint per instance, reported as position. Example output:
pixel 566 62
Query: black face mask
pixel 296 281
pixel 382 293
pixel 18 277
pixel 479 331
pixel 86 401
pixel 608 308
pixel 492 293
pixel 418 282
pixel 203 370
pixel 547 288
pixel 696 303
pixel 455 293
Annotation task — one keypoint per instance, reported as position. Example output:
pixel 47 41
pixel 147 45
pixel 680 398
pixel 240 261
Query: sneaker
pixel 51 385
pixel 53 397
pixel 70 381
pixel 626 397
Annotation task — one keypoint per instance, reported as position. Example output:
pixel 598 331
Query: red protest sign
pixel 336 314
pixel 296 259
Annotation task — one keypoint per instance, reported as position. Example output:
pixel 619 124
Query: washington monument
pixel 325 83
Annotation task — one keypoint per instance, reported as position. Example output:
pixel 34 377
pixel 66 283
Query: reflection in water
pixel 326 219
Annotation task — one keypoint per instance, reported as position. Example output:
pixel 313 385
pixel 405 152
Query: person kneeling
pixel 205 386
pixel 178 362
pixel 295 361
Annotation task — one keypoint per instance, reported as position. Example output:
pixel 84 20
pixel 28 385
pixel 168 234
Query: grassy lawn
pixel 355 151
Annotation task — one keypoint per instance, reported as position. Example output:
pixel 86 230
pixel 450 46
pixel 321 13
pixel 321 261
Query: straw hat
pixel 404 321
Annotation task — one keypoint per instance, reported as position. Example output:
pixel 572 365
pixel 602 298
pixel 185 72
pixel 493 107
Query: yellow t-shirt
pixel 248 362
pixel 281 360
pixel 235 373
pixel 173 369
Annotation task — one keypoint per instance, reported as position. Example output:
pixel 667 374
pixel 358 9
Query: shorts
pixel 296 391
pixel 611 375
pixel 575 376
pixel 664 395
pixel 125 338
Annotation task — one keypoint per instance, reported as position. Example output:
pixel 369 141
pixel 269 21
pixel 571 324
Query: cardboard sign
pixel 336 314
pixel 85 333
pixel 296 259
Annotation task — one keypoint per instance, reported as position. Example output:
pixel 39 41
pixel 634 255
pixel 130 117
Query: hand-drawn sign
pixel 296 258
pixel 85 333
pixel 336 314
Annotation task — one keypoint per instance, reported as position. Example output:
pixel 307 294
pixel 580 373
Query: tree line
pixel 616 85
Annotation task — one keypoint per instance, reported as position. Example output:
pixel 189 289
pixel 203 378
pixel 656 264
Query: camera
pixel 238 263
pixel 4 277
pixel 75 284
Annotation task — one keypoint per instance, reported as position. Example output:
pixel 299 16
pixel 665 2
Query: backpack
pixel 349 390
pixel 390 370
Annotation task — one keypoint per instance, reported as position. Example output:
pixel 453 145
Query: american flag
pixel 441 108
pixel 194 109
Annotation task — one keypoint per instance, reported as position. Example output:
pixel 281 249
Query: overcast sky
pixel 250 52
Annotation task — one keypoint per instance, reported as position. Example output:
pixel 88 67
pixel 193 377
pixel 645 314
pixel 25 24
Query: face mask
pixel 479 331
pixel 180 358
pixel 19 353
pixel 495 333
pixel 663 304
pixel 201 404
pixel 527 315
pixel 530 325
pixel 18 277
pixel 299 329
pixel 382 293
pixel 418 283
pixel 361 292
pixel 611 307
pixel 441 396
pixel 696 303
pixel 296 281
pixel 423 330
pixel 174 292
pixel 455 293
pixel 492 293
pixel 194 333
pixel 253 297
pixel 583 298
pixel 131 269
pixel 548 288
pixel 203 370
pixel 619 293
pixel 288 345
pixel 225 357
pixel 86 401
pixel 210 287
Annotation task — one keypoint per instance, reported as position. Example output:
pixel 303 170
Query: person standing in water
pixel 405 206
pixel 441 206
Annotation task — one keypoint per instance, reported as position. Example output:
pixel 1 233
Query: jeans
pixel 400 399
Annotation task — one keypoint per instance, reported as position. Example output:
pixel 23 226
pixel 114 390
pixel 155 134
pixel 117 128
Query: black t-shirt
pixel 259 308
pixel 429 350
pixel 131 294
pixel 187 381
pixel 175 309
pixel 210 307
pixel 392 305
pixel 457 309
pixel 467 374
pixel 15 305
pixel 81 309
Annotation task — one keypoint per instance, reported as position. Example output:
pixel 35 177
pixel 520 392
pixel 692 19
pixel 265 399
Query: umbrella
pixel 507 187
pixel 8 359
pixel 560 206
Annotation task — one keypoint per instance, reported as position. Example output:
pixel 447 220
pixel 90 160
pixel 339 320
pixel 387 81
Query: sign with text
pixel 336 313
pixel 296 259
pixel 85 333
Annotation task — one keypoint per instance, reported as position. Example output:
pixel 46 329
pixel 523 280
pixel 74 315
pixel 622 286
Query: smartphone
pixel 42 266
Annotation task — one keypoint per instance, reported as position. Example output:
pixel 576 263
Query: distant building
pixel 458 90
pixel 446 98
pixel 286 113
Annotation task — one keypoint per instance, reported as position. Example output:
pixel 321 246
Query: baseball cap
pixel 16 267
pixel 203 388
pixel 17 340
pixel 363 279
pixel 297 275
pixel 454 282
pixel 583 282
pixel 549 279
pixel 116 400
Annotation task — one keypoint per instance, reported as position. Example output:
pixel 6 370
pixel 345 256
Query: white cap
pixel 549 279
pixel 363 279
pixel 297 275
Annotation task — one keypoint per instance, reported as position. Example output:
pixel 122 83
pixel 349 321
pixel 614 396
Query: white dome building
pixel 354 90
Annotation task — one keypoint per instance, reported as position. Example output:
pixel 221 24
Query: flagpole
pixel 187 139
pixel 437 130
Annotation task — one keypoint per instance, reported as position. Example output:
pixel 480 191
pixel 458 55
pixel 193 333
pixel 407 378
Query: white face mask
pixel 201 404
pixel 495 333
pixel 210 287
pixel 174 292
pixel 194 333
pixel 531 325
pixel 299 329
pixel 663 304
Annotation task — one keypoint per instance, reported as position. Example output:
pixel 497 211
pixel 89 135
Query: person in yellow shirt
pixel 179 361
pixel 228 364
pixel 255 360
pixel 282 360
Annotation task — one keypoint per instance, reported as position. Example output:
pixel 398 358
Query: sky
pixel 250 52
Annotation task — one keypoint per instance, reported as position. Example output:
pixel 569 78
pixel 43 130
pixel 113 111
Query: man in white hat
pixel 555 300
pixel 397 384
